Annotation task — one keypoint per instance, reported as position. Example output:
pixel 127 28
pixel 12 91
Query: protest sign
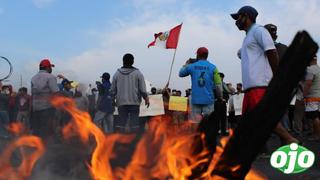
pixel 156 107
pixel 177 103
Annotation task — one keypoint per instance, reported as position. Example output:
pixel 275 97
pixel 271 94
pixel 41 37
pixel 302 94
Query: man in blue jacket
pixel 104 115
pixel 204 79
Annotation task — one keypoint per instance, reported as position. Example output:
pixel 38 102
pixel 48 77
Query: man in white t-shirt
pixel 259 60
pixel 311 93
pixel 235 106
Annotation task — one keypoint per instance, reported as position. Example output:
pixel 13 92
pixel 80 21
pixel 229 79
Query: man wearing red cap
pixel 43 86
pixel 204 79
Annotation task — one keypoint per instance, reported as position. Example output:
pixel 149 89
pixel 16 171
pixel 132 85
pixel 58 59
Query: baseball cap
pixel 271 27
pixel 252 12
pixel 65 81
pixel 46 63
pixel 202 50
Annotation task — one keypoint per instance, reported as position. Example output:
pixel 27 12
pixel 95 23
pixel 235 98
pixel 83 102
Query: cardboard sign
pixel 156 107
pixel 177 103
pixel 236 102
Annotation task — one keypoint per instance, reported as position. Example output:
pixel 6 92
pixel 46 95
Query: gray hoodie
pixel 128 86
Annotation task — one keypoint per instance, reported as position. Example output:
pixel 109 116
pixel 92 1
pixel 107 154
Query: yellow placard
pixel 74 84
pixel 177 103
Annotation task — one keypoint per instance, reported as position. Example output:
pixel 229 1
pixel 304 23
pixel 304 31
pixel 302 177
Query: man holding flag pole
pixel 204 75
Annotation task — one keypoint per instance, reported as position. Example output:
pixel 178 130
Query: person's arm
pixel 62 77
pixel 142 89
pixel 218 83
pixel 53 85
pixel 113 89
pixel 308 82
pixel 185 70
pixel 307 86
pixel 273 59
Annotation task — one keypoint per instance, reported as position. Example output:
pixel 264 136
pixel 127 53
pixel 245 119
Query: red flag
pixel 168 39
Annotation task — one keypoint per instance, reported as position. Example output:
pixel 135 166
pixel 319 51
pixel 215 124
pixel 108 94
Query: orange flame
pixel 28 159
pixel 81 124
pixel 16 128
pixel 162 153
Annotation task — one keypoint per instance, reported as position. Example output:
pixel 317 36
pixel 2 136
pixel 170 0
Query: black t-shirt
pixel 4 102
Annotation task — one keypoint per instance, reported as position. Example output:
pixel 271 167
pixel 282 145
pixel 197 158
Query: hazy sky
pixel 85 38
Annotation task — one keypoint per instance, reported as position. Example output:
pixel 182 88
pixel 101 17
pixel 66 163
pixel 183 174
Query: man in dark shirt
pixel 92 102
pixel 4 104
pixel 281 48
pixel 222 109
pixel 24 106
pixel 104 115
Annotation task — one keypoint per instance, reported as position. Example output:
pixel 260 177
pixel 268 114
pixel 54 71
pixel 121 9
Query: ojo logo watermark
pixel 292 159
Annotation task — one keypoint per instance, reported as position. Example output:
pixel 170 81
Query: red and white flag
pixel 168 39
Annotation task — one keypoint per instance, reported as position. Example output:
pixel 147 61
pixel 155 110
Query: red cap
pixel 202 50
pixel 46 63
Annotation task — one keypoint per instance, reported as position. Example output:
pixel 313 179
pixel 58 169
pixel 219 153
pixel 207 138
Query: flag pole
pixel 174 57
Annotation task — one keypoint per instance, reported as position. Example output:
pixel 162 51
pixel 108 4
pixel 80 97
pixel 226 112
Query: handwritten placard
pixel 177 103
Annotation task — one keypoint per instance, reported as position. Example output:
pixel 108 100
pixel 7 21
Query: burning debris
pixel 31 149
pixel 87 153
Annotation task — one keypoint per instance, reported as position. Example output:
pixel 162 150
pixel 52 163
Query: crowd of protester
pixel 124 91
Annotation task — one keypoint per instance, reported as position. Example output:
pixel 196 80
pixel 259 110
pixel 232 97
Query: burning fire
pixel 7 171
pixel 161 153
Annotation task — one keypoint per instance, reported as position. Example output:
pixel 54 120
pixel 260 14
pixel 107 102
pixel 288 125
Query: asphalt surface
pixel 263 163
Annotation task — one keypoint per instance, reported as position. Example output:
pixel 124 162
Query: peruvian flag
pixel 168 39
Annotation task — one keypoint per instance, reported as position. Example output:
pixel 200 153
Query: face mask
pixel 240 23
pixel 274 36
pixel 50 70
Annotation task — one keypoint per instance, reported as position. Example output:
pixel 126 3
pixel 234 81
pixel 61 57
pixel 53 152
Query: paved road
pixel 263 164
